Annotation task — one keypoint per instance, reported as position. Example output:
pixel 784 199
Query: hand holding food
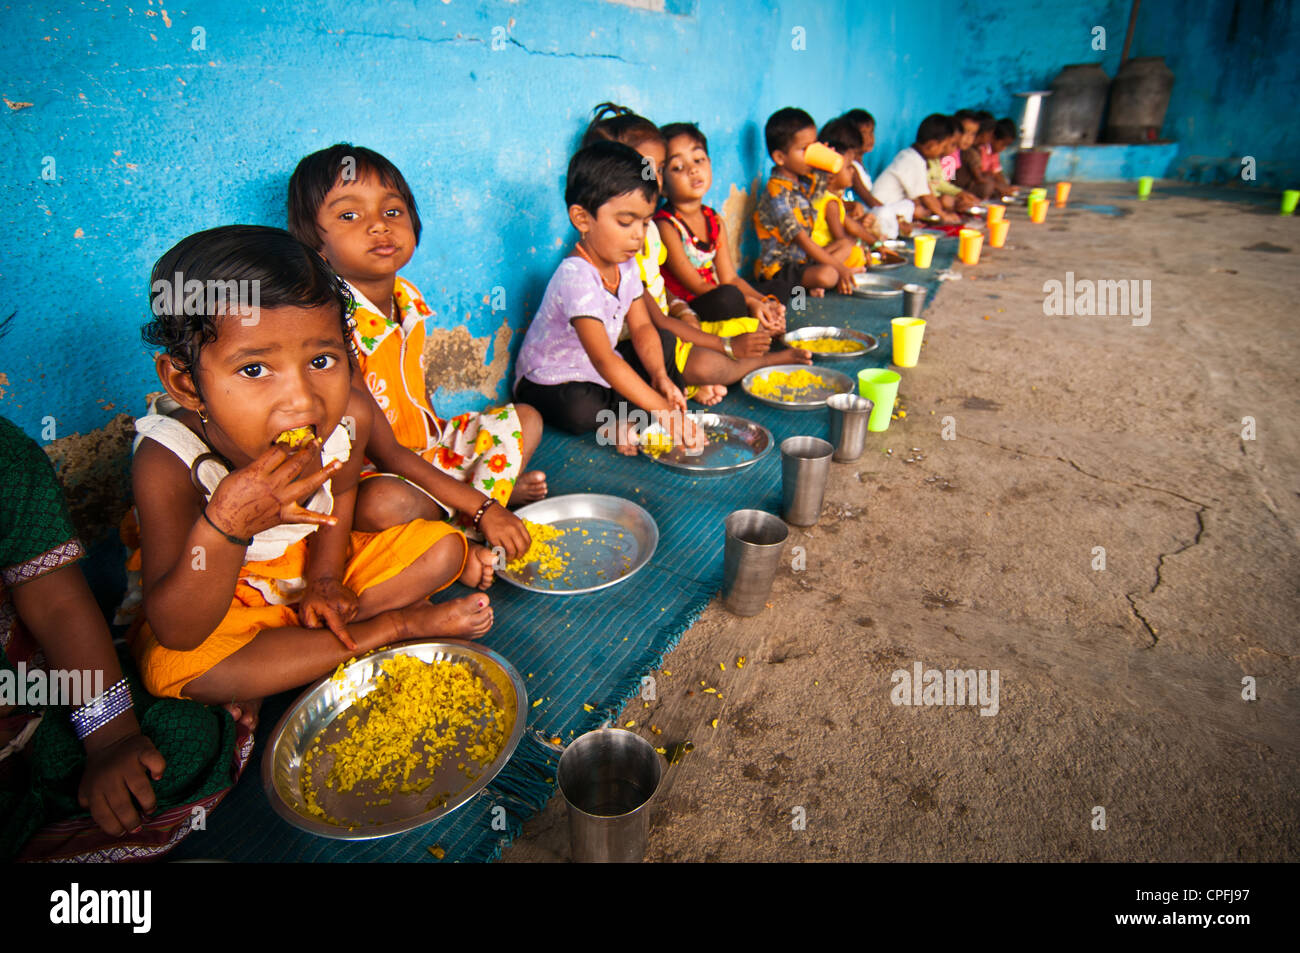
pixel 267 492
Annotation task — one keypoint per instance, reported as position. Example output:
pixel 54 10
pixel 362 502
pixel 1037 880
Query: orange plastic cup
pixel 823 157
pixel 971 241
pixel 998 233
pixel 1062 194
pixel 996 213
pixel 1038 211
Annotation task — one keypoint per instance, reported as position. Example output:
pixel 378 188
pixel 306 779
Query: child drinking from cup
pixel 248 573
pixel 356 209
pixel 572 366
pixel 786 214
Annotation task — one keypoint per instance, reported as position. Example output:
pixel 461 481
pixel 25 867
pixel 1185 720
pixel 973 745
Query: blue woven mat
pixel 576 650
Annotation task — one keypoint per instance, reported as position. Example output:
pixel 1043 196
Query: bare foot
pixel 479 568
pixel 529 488
pixel 817 292
pixel 625 441
pixel 245 712
pixel 791 355
pixel 468 617
pixel 710 394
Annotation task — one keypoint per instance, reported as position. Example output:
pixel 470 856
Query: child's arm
pixel 611 366
pixel 498 525
pixel 190 563
pixel 742 345
pixel 860 189
pixel 678 264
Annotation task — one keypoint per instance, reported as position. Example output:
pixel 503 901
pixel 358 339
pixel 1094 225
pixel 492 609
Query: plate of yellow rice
pixel 795 386
pixel 831 344
pixel 394 740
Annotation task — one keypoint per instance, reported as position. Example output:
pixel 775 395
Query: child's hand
pixel 846 278
pixel 671 393
pixel 327 602
pixel 770 314
pixel 116 780
pixel 266 492
pixel 683 430
pixel 753 344
pixel 502 528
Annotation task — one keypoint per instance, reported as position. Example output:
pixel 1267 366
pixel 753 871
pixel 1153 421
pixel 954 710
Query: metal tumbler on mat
pixel 849 415
pixel 608 778
pixel 752 554
pixel 805 465
pixel 913 300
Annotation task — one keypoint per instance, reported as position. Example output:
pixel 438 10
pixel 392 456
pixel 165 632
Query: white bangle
pixel 726 346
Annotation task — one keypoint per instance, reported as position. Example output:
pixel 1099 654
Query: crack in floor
pixel 1151 630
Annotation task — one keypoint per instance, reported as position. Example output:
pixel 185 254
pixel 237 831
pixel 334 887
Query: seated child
pixel 57 764
pixel 942 169
pixel 833 221
pixel 785 215
pixel 972 176
pixel 355 208
pixel 249 575
pixel 701 274
pixel 906 176
pixel 893 218
pixel 1004 133
pixel 571 365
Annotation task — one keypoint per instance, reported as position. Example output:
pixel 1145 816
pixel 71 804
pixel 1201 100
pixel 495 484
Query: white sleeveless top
pixel 269 544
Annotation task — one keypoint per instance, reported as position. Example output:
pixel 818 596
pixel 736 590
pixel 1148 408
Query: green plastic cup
pixel 1289 199
pixel 1036 194
pixel 880 387
pixel 1144 186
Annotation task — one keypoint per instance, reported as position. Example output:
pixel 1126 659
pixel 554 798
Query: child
pixel 906 177
pixel 941 170
pixel 355 208
pixel 972 176
pixel 833 221
pixel 785 214
pixel 248 568
pixel 701 273
pixel 54 760
pixel 1004 133
pixel 893 218
pixel 569 366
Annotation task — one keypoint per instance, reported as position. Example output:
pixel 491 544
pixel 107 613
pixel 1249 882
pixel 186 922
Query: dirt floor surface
pixel 1121 681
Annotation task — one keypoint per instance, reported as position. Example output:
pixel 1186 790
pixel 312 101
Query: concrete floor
pixel 1120 688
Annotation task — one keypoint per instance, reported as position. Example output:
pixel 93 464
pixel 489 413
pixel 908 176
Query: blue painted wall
pixel 145 137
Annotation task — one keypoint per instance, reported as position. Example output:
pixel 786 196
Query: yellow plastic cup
pixel 1039 193
pixel 996 213
pixel 880 387
pixel 823 157
pixel 1062 194
pixel 970 241
pixel 907 340
pixel 923 250
pixel 998 233
pixel 1038 211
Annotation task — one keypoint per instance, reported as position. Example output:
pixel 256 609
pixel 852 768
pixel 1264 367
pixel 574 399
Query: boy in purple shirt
pixel 571 366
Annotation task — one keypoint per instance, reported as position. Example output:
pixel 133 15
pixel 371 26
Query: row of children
pixel 298 500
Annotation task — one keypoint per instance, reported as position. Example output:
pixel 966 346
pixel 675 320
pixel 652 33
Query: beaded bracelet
pixel 481 510
pixel 234 539
pixel 99 711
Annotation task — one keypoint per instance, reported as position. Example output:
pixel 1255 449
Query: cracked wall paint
pixel 455 362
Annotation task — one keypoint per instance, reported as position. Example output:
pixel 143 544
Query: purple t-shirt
pixel 551 352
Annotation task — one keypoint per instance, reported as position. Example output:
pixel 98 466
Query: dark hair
pixel 860 117
pixel 321 171
pixel 1004 129
pixel 615 123
pixel 783 125
pixel 286 274
pixel 841 134
pixel 935 127
pixel 963 115
pixel 602 170
pixel 675 129
pixel 986 120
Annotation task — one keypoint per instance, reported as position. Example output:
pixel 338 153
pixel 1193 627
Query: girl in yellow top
pixel 355 208
pixel 833 219
pixel 249 576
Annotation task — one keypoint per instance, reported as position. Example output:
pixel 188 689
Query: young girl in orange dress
pixel 354 207
pixel 249 578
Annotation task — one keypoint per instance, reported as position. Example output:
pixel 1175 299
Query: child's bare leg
pixel 841 248
pixel 387 501
pixel 531 485
pixel 817 278
pixel 707 367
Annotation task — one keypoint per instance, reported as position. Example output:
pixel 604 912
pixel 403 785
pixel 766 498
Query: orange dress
pixel 483 449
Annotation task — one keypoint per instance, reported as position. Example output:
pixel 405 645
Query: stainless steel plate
pixel 811 399
pixel 887 262
pixel 318 718
pixel 876 286
pixel 798 337
pixel 620 538
pixel 733 444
